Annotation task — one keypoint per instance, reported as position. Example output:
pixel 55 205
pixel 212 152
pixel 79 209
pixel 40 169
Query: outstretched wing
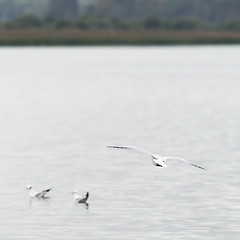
pixel 42 194
pixel 169 158
pixel 133 148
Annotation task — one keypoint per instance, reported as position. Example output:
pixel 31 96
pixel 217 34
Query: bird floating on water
pixel 79 199
pixel 158 161
pixel 37 194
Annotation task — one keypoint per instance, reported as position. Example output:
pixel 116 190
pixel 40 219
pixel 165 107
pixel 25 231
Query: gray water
pixel 60 107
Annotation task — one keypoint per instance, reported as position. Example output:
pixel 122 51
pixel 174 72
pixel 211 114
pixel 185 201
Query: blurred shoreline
pixel 74 37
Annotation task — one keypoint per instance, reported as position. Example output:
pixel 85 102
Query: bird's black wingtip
pixel 199 167
pixel 110 146
pixel 203 168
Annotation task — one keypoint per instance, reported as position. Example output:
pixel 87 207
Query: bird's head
pixel 29 187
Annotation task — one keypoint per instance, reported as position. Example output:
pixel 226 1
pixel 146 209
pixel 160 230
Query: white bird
pixel 37 194
pixel 80 199
pixel 159 161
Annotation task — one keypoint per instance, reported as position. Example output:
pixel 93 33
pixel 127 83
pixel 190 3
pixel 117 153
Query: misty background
pixel 124 14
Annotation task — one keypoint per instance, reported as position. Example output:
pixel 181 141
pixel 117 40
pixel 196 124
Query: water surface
pixel 60 107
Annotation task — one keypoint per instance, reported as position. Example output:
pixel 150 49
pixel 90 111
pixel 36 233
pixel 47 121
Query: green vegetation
pixel 112 23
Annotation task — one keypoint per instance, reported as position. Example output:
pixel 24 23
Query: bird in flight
pixel 37 194
pixel 158 161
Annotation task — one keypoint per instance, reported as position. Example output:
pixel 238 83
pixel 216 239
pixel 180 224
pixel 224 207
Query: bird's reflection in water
pixel 44 200
pixel 85 205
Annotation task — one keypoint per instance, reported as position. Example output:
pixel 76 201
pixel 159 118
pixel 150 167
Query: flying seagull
pixel 79 199
pixel 159 161
pixel 37 194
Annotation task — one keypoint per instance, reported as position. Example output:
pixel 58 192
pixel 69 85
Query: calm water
pixel 60 107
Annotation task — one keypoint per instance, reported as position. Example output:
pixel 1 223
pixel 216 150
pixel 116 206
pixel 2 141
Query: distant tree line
pixel 211 11
pixel 214 11
pixel 114 23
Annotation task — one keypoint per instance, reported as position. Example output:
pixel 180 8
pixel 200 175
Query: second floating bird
pixel 80 199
